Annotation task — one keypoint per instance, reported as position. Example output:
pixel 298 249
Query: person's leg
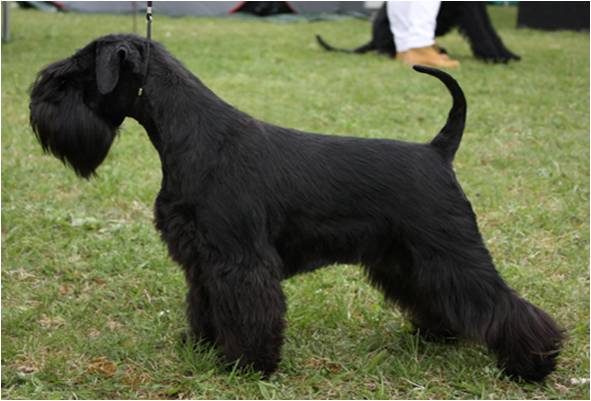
pixel 413 23
pixel 413 27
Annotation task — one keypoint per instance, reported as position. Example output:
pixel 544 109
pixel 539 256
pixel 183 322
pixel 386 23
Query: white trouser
pixel 413 23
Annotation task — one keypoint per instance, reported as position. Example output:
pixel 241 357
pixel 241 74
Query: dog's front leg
pixel 199 313
pixel 247 309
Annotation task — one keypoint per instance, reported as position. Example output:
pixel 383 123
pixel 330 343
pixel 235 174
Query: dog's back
pixel 362 188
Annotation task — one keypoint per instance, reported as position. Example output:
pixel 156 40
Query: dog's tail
pixel 360 50
pixel 448 139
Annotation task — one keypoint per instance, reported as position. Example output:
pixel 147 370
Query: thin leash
pixel 148 46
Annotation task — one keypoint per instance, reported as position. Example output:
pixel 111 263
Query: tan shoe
pixel 427 56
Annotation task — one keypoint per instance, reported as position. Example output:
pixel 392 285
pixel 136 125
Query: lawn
pixel 92 307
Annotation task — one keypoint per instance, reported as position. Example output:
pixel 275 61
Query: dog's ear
pixel 110 58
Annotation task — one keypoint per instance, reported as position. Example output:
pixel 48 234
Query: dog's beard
pixel 71 131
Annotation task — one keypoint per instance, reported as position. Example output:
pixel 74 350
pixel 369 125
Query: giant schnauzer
pixel 470 17
pixel 245 204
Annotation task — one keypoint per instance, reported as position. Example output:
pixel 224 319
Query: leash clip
pixel 140 91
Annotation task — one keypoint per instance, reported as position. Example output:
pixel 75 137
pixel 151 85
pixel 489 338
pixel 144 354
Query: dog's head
pixel 77 104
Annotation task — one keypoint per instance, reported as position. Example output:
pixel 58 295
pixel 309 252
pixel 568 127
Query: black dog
pixel 245 204
pixel 470 17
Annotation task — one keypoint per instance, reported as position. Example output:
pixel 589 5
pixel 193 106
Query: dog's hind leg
pixel 394 276
pixel 452 290
pixel 525 339
pixel 460 291
pixel 247 310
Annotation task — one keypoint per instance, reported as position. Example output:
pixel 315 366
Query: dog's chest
pixel 178 229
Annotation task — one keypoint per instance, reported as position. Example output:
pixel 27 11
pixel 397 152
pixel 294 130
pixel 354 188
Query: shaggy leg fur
pixel 199 313
pixel 247 309
pixel 474 23
pixel 460 294
pixel 533 356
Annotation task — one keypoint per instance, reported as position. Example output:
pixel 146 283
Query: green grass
pixel 93 308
